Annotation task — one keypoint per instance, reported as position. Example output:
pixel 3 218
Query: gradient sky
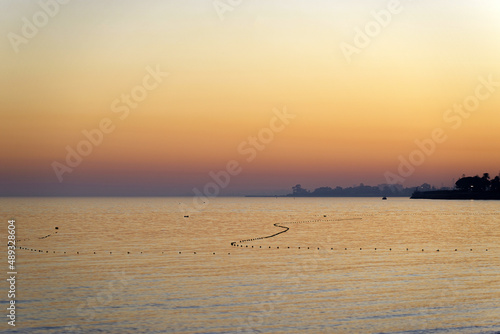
pixel 353 120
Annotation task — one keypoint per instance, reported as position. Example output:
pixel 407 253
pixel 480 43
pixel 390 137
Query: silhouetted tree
pixel 495 184
pixel 299 191
pixel 323 191
pixel 475 183
pixel 469 183
pixel 425 187
pixel 485 182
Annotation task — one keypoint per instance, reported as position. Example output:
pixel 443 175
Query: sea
pixel 253 265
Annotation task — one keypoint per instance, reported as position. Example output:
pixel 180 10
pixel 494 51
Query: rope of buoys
pixel 346 249
pixel 283 226
pixel 351 249
pixel 286 228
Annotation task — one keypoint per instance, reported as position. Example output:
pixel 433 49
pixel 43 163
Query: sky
pixel 245 97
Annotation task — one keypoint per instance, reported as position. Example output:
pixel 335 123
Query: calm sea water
pixel 137 265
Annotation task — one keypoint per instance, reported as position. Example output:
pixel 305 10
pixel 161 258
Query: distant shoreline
pixel 456 195
pixel 317 196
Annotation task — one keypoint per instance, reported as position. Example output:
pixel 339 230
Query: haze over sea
pixel 137 265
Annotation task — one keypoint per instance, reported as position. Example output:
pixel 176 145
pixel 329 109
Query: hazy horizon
pixel 90 191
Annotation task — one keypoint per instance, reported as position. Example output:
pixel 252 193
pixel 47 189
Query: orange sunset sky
pixel 359 102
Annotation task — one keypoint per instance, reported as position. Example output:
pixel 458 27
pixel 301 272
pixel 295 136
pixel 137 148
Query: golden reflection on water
pixel 155 270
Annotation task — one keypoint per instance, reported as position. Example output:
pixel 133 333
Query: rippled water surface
pixel 137 265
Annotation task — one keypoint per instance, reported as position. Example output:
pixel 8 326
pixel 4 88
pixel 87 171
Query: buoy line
pixel 286 228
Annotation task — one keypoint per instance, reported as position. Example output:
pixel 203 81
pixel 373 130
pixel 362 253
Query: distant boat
pixel 384 198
